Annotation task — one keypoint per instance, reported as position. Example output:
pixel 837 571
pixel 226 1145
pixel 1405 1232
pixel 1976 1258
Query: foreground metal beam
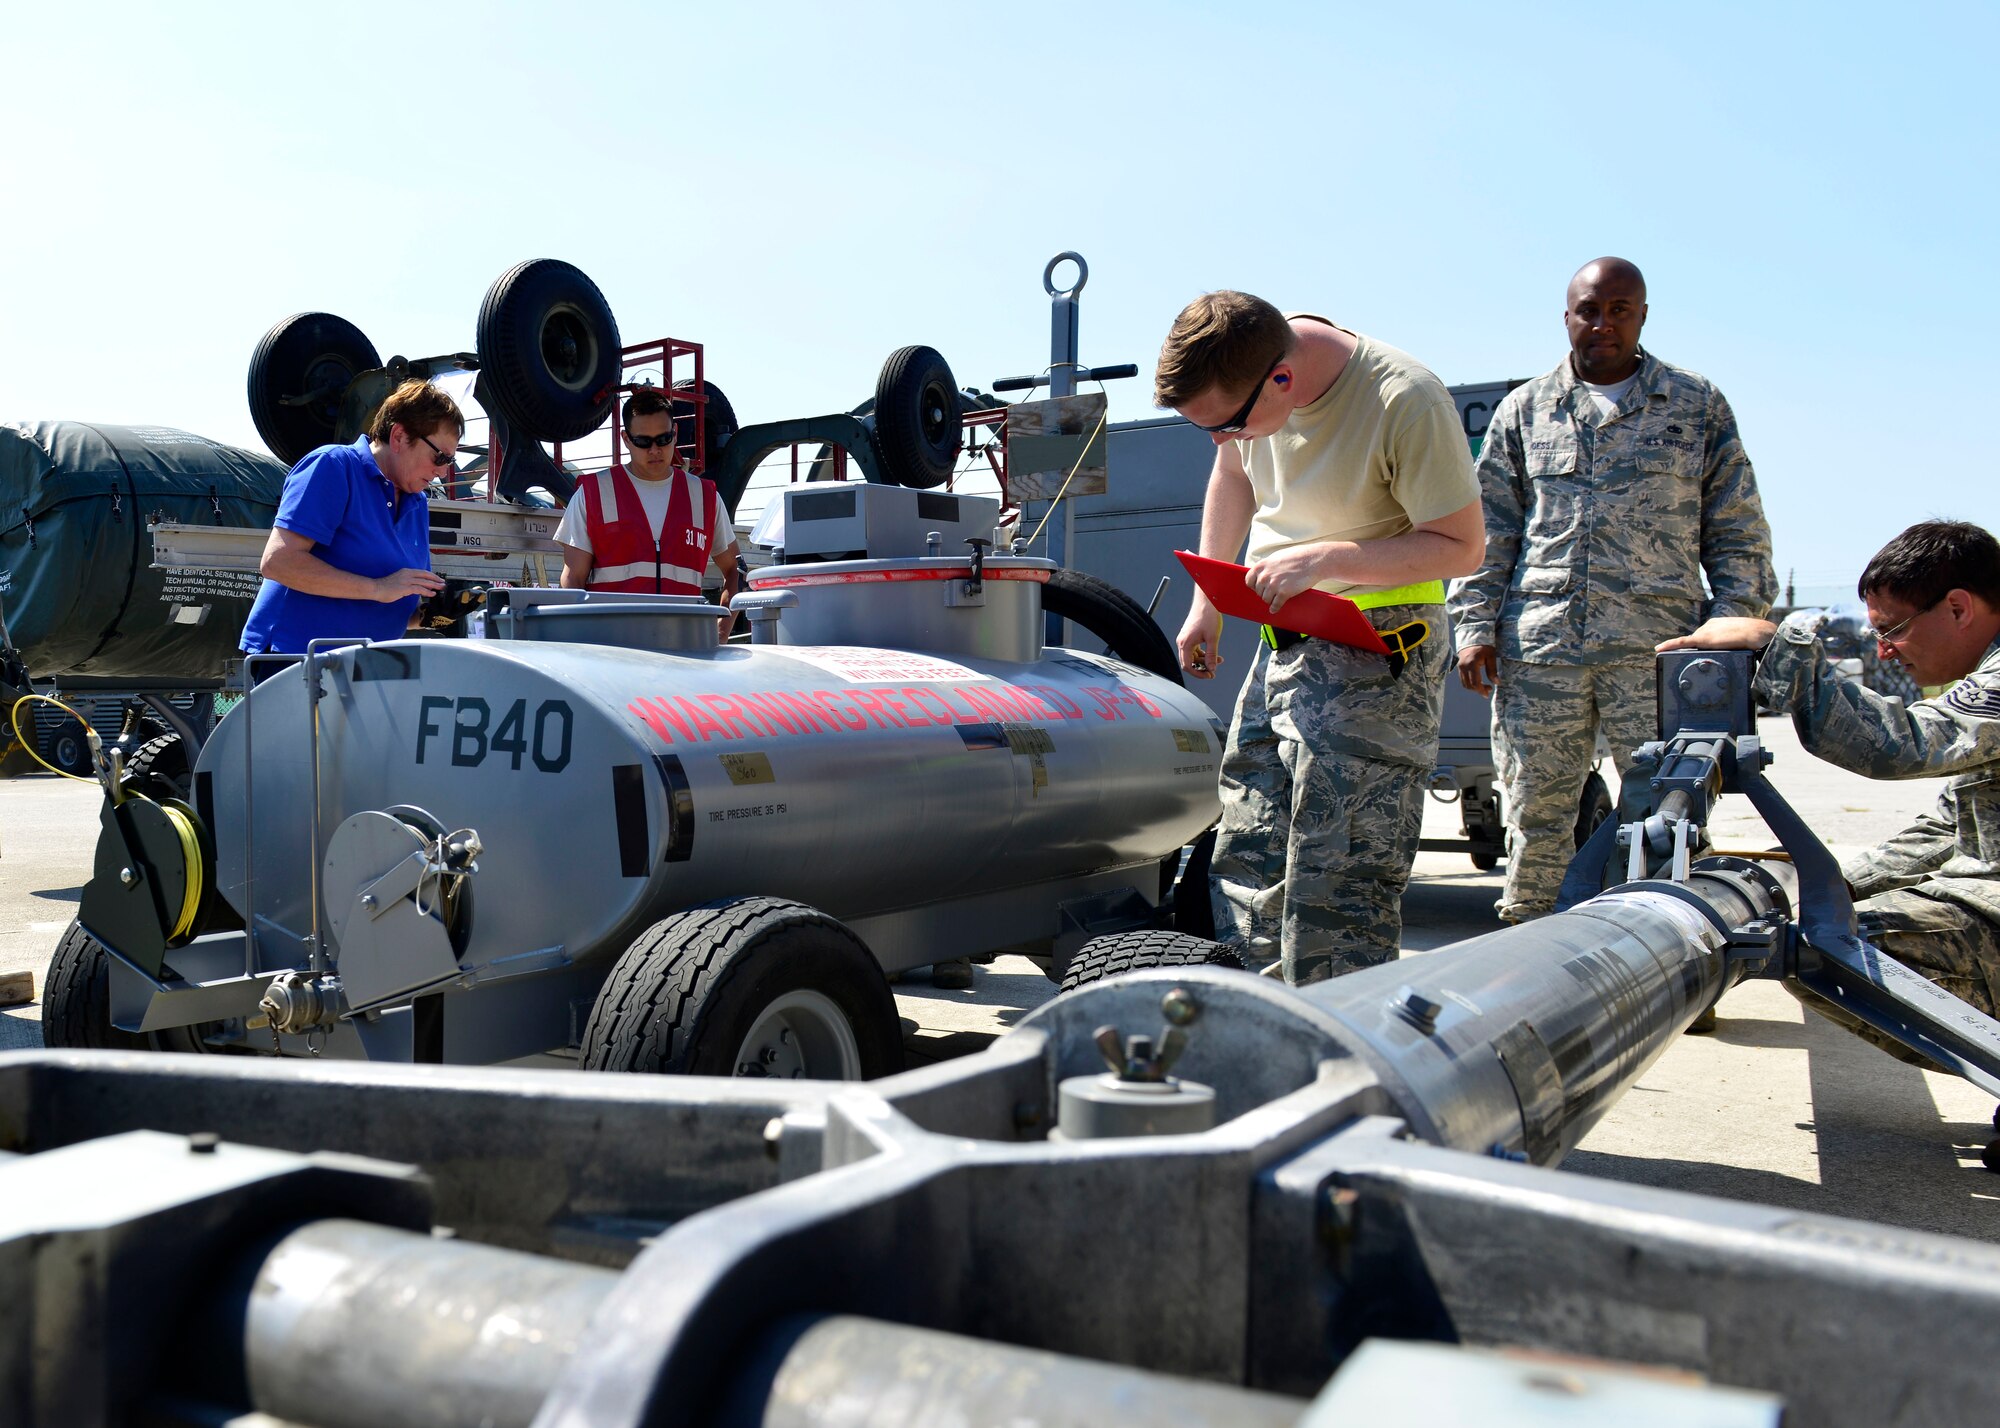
pixel 1334 1203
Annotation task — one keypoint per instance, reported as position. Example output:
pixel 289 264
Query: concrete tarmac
pixel 1775 1106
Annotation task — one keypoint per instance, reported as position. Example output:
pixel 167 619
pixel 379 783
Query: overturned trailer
pixel 1314 1206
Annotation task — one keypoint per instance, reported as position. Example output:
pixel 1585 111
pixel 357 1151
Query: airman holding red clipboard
pixel 1341 470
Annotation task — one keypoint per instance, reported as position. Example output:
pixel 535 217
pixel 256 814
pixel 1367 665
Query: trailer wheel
pixel 69 749
pixel 76 1001
pixel 159 768
pixel 1593 808
pixel 1124 952
pixel 309 355
pixel 917 429
pixel 549 348
pixel 1128 632
pixel 754 986
pixel 720 425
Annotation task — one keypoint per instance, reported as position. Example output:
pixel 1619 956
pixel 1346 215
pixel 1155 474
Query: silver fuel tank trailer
pixel 597 832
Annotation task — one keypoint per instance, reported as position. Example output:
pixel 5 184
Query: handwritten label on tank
pixel 1191 741
pixel 465 730
pixel 747 768
pixel 766 714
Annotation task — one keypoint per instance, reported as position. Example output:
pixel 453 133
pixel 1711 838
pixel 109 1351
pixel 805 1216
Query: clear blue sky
pixel 803 188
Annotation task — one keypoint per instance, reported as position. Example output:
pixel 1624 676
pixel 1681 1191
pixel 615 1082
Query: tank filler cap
pixel 1137 1096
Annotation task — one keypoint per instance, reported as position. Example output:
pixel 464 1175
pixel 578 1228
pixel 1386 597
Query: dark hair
pixel 417 407
pixel 1222 340
pixel 646 402
pixel 1931 559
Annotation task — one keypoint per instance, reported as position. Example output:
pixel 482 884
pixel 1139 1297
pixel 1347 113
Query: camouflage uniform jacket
pixel 1952 852
pixel 1598 529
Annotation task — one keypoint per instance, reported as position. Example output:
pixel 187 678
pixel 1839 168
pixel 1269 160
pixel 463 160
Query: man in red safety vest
pixel 650 526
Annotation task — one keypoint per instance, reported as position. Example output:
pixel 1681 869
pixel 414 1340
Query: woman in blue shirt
pixel 349 553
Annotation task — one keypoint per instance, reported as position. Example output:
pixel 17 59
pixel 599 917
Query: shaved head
pixel 1604 312
pixel 1618 270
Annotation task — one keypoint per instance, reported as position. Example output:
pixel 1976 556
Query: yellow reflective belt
pixel 1424 592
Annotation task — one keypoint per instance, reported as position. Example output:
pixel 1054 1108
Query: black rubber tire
pixel 917 429
pixel 1485 862
pixel 549 350
pixel 159 769
pixel 1123 952
pixel 721 423
pixel 69 749
pixel 1115 618
pixel 307 352
pixel 687 991
pixel 1593 807
pixel 76 998
pixel 1193 908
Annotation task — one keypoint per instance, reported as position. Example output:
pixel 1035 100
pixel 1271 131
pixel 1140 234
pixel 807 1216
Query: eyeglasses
pixel 1899 631
pixel 647 443
pixel 438 457
pixel 1242 417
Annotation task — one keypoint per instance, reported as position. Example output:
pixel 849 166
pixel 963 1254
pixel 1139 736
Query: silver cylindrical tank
pixel 1518 1041
pixel 610 786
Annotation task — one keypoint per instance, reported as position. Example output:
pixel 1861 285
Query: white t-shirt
pixel 653 499
pixel 1608 396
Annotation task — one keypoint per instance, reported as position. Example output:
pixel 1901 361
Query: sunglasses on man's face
pixel 647 443
pixel 438 457
pixel 1242 417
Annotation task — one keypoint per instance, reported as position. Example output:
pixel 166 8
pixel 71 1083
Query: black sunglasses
pixel 647 443
pixel 1242 417
pixel 438 458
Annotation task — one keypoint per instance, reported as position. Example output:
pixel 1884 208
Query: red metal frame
pixel 661 353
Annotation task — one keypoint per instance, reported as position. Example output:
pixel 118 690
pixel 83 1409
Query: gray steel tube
pixel 844 1372
pixel 357 1324
pixel 1516 1042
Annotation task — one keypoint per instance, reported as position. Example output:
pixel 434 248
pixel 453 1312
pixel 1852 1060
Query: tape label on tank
pixel 858 665
pixel 747 768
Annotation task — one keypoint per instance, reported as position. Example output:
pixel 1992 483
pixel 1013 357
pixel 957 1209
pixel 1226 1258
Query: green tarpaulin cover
pixel 77 587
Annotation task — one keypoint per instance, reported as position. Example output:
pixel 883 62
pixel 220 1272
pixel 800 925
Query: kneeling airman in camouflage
pixel 1930 896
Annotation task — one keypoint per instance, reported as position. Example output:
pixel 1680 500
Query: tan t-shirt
pixel 1380 452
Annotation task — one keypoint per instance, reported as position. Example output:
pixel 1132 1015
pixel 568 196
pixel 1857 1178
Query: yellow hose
pixel 182 825
pixel 14 717
pixel 191 855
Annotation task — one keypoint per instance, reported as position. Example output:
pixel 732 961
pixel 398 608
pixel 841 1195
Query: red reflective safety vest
pixel 627 556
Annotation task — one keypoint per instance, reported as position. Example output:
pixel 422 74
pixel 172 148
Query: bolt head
pixel 204 1142
pixel 128 876
pixel 1179 1007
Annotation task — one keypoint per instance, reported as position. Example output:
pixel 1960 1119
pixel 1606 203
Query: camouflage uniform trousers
pixel 1546 718
pixel 1948 943
pixel 1323 801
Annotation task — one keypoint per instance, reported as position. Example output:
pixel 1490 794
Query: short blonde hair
pixel 1223 341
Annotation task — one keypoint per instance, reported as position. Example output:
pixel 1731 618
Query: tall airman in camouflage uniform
pixel 1930 896
pixel 1343 463
pixel 1610 485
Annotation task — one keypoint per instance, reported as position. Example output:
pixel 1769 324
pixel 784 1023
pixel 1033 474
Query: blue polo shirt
pixel 338 498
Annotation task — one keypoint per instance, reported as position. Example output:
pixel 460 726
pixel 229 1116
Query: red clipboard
pixel 1314 612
